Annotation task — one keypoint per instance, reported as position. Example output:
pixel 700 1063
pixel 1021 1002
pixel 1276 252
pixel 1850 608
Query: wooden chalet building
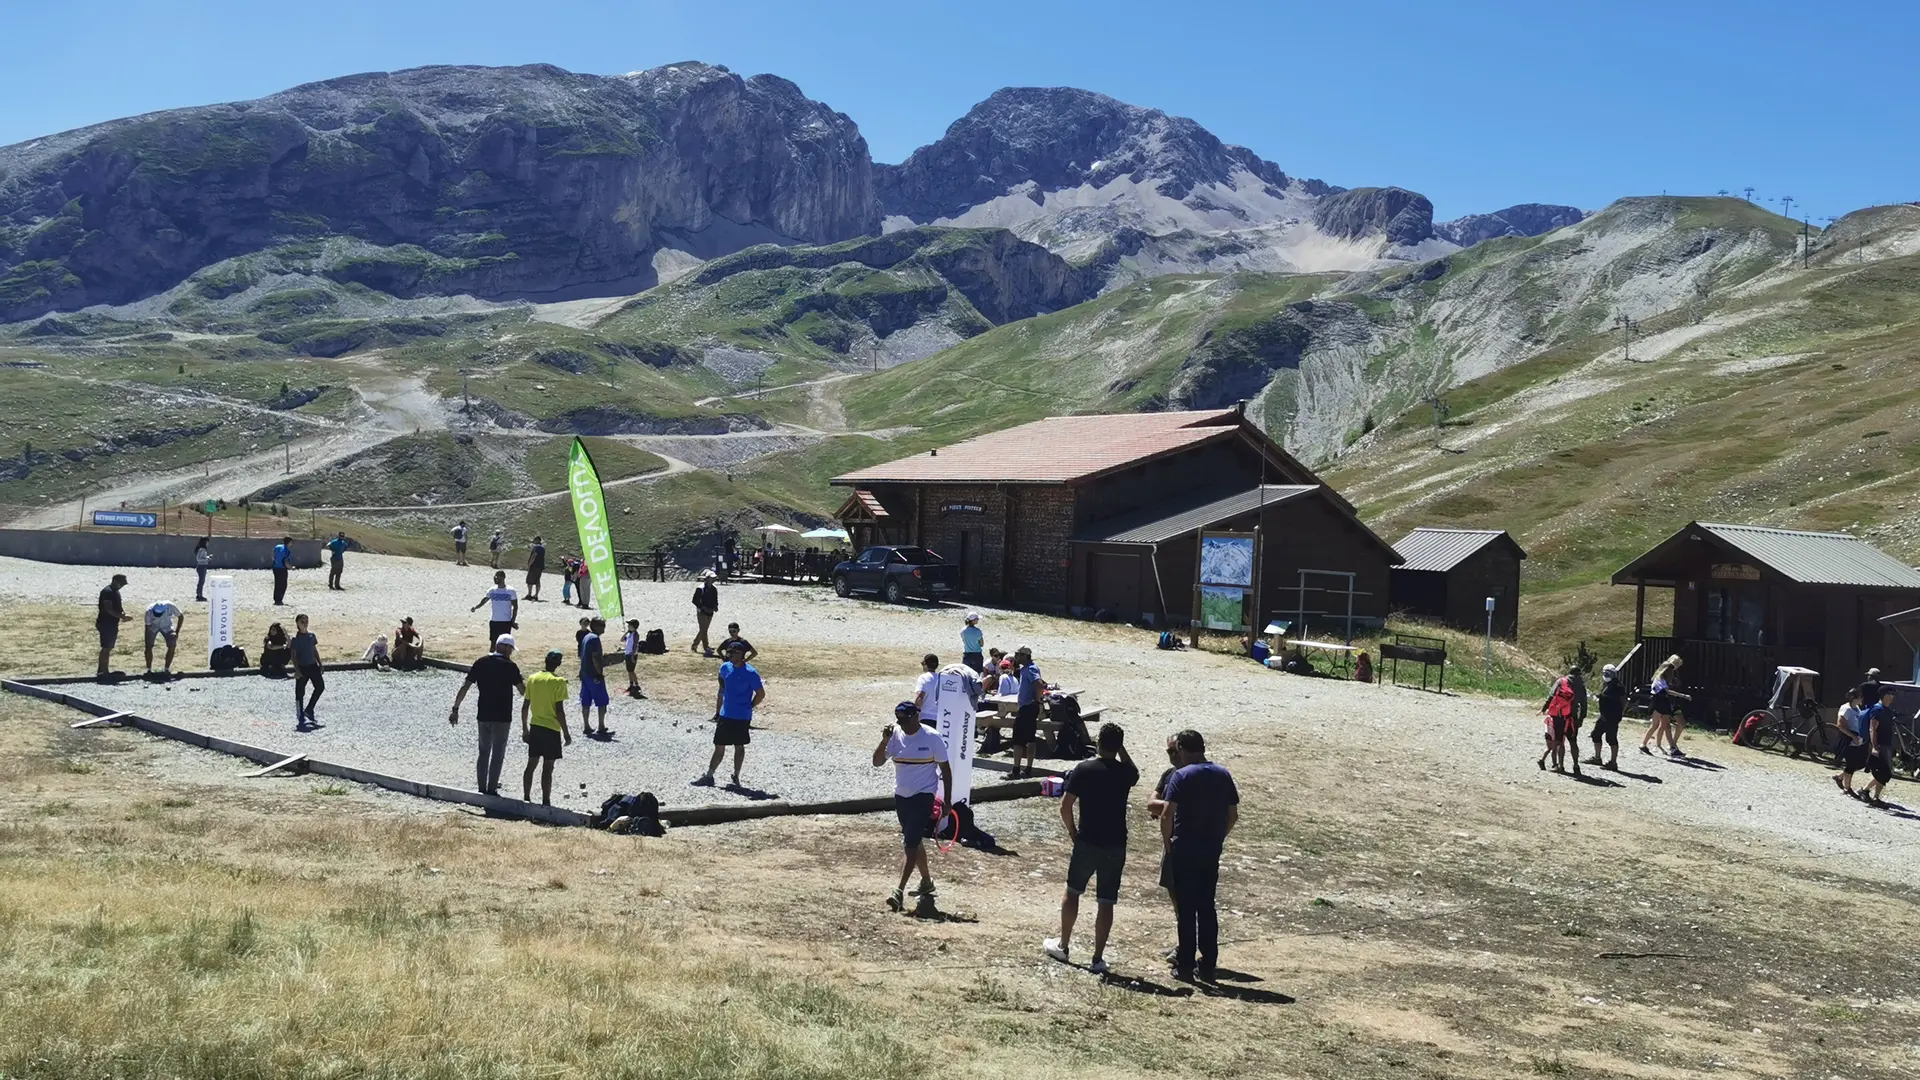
pixel 1448 574
pixel 1747 599
pixel 1101 516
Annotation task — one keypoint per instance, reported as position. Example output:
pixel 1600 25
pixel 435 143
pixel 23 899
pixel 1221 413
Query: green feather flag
pixel 596 539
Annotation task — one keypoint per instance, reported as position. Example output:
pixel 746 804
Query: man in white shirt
pixel 163 620
pixel 920 768
pixel 503 617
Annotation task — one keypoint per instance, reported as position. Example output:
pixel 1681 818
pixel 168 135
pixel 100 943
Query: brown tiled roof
pixel 872 504
pixel 1057 450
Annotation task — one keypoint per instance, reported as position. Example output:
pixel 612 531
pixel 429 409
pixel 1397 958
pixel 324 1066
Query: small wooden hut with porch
pixel 1449 574
pixel 1747 599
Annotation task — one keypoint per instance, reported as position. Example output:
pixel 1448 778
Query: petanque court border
pixel 45 688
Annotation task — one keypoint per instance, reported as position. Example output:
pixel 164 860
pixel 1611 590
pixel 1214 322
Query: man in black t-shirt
pixel 498 677
pixel 109 618
pixel 1099 785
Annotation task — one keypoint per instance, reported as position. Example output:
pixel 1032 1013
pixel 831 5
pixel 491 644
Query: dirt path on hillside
pixel 392 406
pixel 674 467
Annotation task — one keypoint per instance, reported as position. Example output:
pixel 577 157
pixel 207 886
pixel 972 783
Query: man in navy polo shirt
pixel 1202 806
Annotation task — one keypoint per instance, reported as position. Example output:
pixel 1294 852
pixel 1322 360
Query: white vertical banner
pixel 955 693
pixel 219 613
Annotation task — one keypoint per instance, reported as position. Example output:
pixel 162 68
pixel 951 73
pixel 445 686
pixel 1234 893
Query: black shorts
pixel 1026 725
pixel 1853 758
pixel 542 742
pixel 495 629
pixel 1102 865
pixel 1880 766
pixel 974 660
pixel 729 732
pixel 109 633
pixel 1166 873
pixel 916 818
pixel 533 577
pixel 1607 729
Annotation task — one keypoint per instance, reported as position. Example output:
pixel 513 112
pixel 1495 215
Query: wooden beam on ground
pixel 110 718
pixel 297 759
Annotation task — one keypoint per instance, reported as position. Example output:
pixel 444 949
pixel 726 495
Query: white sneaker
pixel 1052 947
pixel 1098 967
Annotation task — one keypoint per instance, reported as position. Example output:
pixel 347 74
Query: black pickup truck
pixel 897 573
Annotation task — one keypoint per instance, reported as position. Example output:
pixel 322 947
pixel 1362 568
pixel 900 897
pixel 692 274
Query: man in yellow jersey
pixel 543 726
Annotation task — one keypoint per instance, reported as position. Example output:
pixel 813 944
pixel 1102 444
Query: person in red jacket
pixel 1562 709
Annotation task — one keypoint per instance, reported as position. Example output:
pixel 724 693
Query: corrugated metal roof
pixel 1157 525
pixel 1442 549
pixel 1056 450
pixel 1813 558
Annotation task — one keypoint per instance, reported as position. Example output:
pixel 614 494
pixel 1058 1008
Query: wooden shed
pixel 1448 574
pixel 1029 512
pixel 1747 599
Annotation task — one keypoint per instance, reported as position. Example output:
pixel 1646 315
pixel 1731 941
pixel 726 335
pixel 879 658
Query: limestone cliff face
pixel 528 181
pixel 1402 216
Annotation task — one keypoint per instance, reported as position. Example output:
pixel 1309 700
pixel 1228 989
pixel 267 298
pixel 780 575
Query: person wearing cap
pixel 1032 689
pixel 543 726
pixel 163 620
pixel 706 601
pixel 407 649
pixel 1870 688
pixel 498 677
pixel 739 693
pixel 1613 706
pixel 504 609
pixel 973 643
pixel 920 768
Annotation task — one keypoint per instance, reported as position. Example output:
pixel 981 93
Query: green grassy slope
pixel 1789 401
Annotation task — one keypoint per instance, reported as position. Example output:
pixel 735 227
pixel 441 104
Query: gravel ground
pixel 395 722
pixel 834 668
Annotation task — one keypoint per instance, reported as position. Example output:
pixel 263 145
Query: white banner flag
pixel 219 613
pixel 955 693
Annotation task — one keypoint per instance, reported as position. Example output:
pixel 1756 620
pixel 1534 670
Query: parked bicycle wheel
pixel 1767 736
pixel 1823 745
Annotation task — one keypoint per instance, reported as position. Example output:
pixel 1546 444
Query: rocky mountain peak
pixel 502 182
pixel 1045 139
pixel 1402 216
pixel 1526 219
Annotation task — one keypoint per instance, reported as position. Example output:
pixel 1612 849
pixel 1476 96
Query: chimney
pixel 1240 408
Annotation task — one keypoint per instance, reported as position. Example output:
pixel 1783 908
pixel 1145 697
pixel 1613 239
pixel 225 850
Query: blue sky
pixel 1476 104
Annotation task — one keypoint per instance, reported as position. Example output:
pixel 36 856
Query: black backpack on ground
pixel 642 812
pixel 655 644
pixel 1071 740
pixel 971 835
pixel 227 658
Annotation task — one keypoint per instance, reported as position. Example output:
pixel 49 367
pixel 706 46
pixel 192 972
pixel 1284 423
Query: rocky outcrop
pixel 1058 137
pixel 1402 216
pixel 503 182
pixel 1526 219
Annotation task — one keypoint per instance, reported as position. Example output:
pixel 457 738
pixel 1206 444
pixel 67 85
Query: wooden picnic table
pixel 1006 706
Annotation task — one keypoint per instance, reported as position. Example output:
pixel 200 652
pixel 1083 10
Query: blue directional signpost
pixel 126 519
